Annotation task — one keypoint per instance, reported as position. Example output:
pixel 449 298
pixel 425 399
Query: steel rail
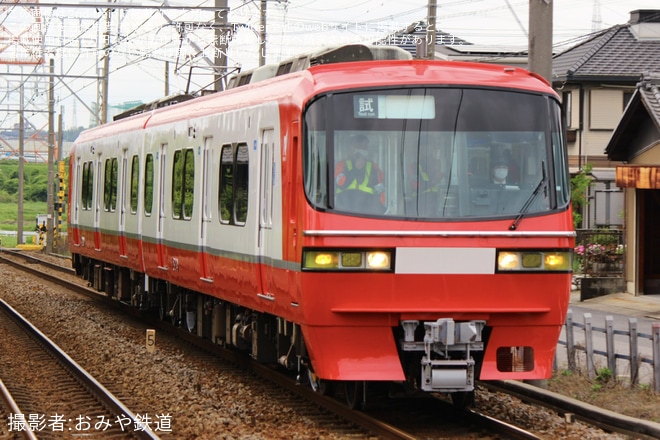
pixel 83 376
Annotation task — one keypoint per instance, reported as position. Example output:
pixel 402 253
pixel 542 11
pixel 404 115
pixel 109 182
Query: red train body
pixel 222 213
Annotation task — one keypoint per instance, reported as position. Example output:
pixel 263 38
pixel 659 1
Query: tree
pixel 580 183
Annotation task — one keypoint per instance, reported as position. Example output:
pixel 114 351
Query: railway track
pixel 51 394
pixel 378 419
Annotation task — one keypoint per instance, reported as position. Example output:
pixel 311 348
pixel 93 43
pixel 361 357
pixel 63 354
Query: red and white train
pixel 222 212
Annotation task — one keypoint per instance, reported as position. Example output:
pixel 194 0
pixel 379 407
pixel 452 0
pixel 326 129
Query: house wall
pixel 649 157
pixel 603 108
pixel 632 228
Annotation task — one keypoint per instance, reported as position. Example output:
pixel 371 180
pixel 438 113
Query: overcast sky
pixel 144 39
pixel 296 26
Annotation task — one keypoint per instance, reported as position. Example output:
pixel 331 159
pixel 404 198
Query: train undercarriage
pixel 440 356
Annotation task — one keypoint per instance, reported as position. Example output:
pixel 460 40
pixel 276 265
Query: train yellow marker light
pixel 151 340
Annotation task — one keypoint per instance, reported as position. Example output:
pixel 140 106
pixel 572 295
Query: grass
pixel 9 214
pixel 639 401
pixel 8 220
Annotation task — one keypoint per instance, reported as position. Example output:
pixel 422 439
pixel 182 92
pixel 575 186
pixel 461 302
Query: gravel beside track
pixel 203 397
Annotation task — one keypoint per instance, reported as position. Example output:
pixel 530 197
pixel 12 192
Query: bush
pixel 580 182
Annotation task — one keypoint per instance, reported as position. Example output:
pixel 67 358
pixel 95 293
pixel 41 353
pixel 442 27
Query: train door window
pixel 233 189
pixel 207 178
pixel 148 184
pixel 90 186
pixel 267 179
pixel 135 172
pixel 189 183
pixel 98 196
pixel 226 189
pixel 76 195
pixel 121 189
pixel 242 175
pixel 183 183
pixel 110 185
pixel 86 193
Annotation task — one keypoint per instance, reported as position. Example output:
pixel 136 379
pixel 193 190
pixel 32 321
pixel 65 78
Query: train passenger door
pixel 97 204
pixel 75 192
pixel 121 203
pixel 266 236
pixel 160 245
pixel 207 160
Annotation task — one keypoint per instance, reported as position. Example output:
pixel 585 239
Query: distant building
pixel 635 146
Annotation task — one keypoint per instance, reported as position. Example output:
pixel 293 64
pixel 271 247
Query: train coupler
pixel 447 375
pixel 447 365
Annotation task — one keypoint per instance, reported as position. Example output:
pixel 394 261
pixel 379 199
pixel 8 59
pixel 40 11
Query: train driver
pixel 358 180
pixel 504 172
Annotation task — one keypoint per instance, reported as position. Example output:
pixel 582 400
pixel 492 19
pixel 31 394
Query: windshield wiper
pixel 532 196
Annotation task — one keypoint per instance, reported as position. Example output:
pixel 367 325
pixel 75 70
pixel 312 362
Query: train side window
pixel 177 179
pixel 226 188
pixel 135 172
pixel 242 179
pixel 110 185
pixel 148 184
pixel 183 183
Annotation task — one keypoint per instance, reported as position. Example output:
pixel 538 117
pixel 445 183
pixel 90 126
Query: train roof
pixel 333 73
pixel 341 54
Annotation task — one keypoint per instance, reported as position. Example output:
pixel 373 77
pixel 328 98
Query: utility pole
pixel 221 37
pixel 540 38
pixel 51 149
pixel 431 30
pixel 105 77
pixel 21 151
pixel 167 79
pixel 262 34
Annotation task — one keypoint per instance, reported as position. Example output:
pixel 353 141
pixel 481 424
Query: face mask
pixel 501 173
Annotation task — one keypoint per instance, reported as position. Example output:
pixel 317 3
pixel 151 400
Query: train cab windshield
pixel 435 153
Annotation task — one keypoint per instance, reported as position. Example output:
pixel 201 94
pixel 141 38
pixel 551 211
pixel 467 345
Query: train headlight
pixel 321 260
pixel 378 260
pixel 535 260
pixel 508 260
pixel 347 260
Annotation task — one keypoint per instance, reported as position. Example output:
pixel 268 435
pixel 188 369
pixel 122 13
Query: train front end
pixel 437 243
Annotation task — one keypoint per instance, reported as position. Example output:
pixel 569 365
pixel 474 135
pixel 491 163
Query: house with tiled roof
pixel 596 80
pixel 635 149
